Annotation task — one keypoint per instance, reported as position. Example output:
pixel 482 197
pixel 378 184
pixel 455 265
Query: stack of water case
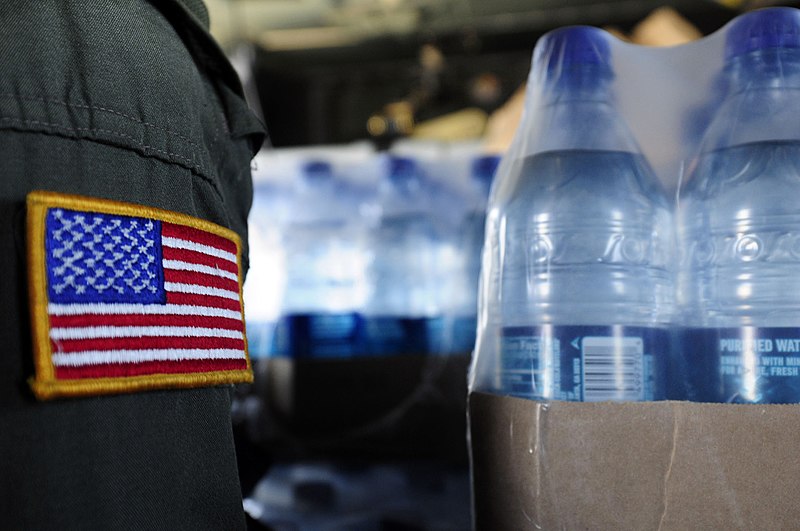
pixel 359 314
pixel 638 356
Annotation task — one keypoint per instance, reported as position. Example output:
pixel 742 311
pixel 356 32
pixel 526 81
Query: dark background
pixel 324 96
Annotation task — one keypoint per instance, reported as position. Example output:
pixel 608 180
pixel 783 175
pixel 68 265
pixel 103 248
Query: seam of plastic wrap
pixel 668 473
pixel 538 449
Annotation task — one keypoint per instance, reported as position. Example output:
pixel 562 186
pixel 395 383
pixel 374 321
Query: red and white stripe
pixel 199 329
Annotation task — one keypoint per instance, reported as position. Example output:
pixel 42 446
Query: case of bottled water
pixel 597 284
pixel 637 360
pixel 351 302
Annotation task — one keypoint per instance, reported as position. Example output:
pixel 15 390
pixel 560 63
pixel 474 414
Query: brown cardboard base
pixel 637 466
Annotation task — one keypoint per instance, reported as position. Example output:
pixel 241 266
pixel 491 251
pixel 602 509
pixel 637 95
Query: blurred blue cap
pixel 402 169
pixel 317 170
pixel 777 27
pixel 483 168
pixel 577 45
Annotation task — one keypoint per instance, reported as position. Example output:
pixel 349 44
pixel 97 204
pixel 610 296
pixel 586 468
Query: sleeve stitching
pixel 101 109
pixel 201 169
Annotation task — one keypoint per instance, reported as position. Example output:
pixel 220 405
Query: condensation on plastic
pixel 666 98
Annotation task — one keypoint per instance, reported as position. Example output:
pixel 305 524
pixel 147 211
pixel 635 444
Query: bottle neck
pixel 579 116
pixel 762 100
pixel 578 82
pixel 771 68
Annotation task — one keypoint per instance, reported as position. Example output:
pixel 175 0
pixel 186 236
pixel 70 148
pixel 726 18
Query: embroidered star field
pixel 94 257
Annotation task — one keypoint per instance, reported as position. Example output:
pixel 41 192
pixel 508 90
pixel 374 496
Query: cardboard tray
pixel 637 466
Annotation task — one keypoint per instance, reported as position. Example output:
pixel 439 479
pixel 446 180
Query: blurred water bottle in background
pixel 452 332
pixel 581 241
pixel 266 278
pixel 481 173
pixel 403 246
pixel 740 219
pixel 326 264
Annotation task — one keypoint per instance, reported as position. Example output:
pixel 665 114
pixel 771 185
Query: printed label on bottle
pixel 350 335
pixel 392 336
pixel 741 365
pixel 584 363
pixel 318 336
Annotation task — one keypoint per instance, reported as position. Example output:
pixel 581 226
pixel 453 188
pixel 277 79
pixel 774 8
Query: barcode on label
pixel 612 369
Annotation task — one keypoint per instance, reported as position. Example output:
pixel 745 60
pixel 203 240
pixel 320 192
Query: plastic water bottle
pixel 452 330
pixel 326 259
pixel 740 219
pixel 266 280
pixel 473 227
pixel 482 174
pixel 581 242
pixel 403 246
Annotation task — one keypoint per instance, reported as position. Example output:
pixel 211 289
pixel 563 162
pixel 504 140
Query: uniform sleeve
pixel 128 102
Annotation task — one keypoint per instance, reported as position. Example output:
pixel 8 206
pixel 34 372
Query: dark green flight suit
pixel 130 101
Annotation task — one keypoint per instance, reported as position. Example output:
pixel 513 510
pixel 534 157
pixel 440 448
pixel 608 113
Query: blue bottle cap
pixel 777 27
pixel 402 169
pixel 317 171
pixel 577 46
pixel 483 169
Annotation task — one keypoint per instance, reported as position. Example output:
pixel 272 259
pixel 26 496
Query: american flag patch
pixel 126 298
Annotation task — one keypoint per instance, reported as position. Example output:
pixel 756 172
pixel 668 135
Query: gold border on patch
pixel 45 384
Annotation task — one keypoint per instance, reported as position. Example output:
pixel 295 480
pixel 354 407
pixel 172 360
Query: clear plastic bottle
pixel 740 224
pixel 580 286
pixel 326 264
pixel 481 176
pixel 452 329
pixel 473 228
pixel 266 279
pixel 402 273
